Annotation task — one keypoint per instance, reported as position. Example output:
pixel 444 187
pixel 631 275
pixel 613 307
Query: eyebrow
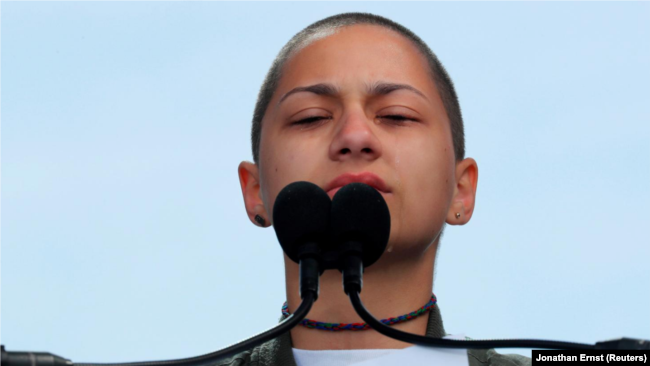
pixel 318 89
pixel 382 88
pixel 375 89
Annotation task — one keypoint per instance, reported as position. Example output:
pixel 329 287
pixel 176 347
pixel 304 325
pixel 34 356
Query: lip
pixel 365 177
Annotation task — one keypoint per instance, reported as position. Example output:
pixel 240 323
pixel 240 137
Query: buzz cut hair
pixel 331 25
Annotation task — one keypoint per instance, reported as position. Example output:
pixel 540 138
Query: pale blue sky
pixel 124 235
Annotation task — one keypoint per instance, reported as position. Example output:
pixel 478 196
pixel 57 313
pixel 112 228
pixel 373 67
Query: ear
pixel 464 193
pixel 250 188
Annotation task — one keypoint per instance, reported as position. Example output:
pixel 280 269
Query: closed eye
pixel 310 120
pixel 397 117
pixel 314 119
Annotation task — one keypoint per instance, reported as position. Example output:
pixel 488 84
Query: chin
pixel 401 252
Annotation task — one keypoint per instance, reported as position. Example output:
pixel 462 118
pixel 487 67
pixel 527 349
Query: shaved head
pixel 328 26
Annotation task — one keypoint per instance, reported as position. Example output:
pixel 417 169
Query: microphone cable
pixel 623 343
pixel 308 300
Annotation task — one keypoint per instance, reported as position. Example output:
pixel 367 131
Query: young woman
pixel 358 98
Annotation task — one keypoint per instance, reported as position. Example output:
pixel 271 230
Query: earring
pixel 260 220
pixel 457 215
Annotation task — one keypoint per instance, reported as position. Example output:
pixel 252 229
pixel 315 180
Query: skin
pixel 402 136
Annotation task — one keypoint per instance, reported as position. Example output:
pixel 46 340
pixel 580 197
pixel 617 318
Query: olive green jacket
pixel 278 352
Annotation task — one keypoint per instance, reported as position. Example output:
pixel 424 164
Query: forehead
pixel 357 54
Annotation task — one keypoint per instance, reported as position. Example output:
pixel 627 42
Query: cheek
pixel 273 178
pixel 427 188
pixel 282 164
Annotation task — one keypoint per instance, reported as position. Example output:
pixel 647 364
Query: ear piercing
pixel 260 220
pixel 458 215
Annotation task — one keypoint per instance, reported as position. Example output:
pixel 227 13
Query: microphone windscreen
pixel 360 213
pixel 301 214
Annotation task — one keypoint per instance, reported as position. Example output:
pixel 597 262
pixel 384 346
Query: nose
pixel 355 139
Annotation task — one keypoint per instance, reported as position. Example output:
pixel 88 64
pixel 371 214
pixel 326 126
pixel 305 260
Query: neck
pixel 391 287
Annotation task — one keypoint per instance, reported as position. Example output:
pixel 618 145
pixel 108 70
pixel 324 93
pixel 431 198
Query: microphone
pixel 301 219
pixel 361 227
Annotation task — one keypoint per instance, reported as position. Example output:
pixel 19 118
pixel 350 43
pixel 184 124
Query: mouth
pixel 365 177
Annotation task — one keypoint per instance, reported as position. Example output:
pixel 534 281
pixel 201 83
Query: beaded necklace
pixel 362 326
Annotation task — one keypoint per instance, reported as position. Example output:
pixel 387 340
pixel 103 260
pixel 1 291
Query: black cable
pixel 307 301
pixel 449 343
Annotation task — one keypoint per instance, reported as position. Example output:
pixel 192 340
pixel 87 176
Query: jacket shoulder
pixel 249 357
pixel 271 353
pixel 484 357
pixel 240 359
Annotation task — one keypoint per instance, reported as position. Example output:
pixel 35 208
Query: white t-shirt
pixel 415 355
pixel 337 357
